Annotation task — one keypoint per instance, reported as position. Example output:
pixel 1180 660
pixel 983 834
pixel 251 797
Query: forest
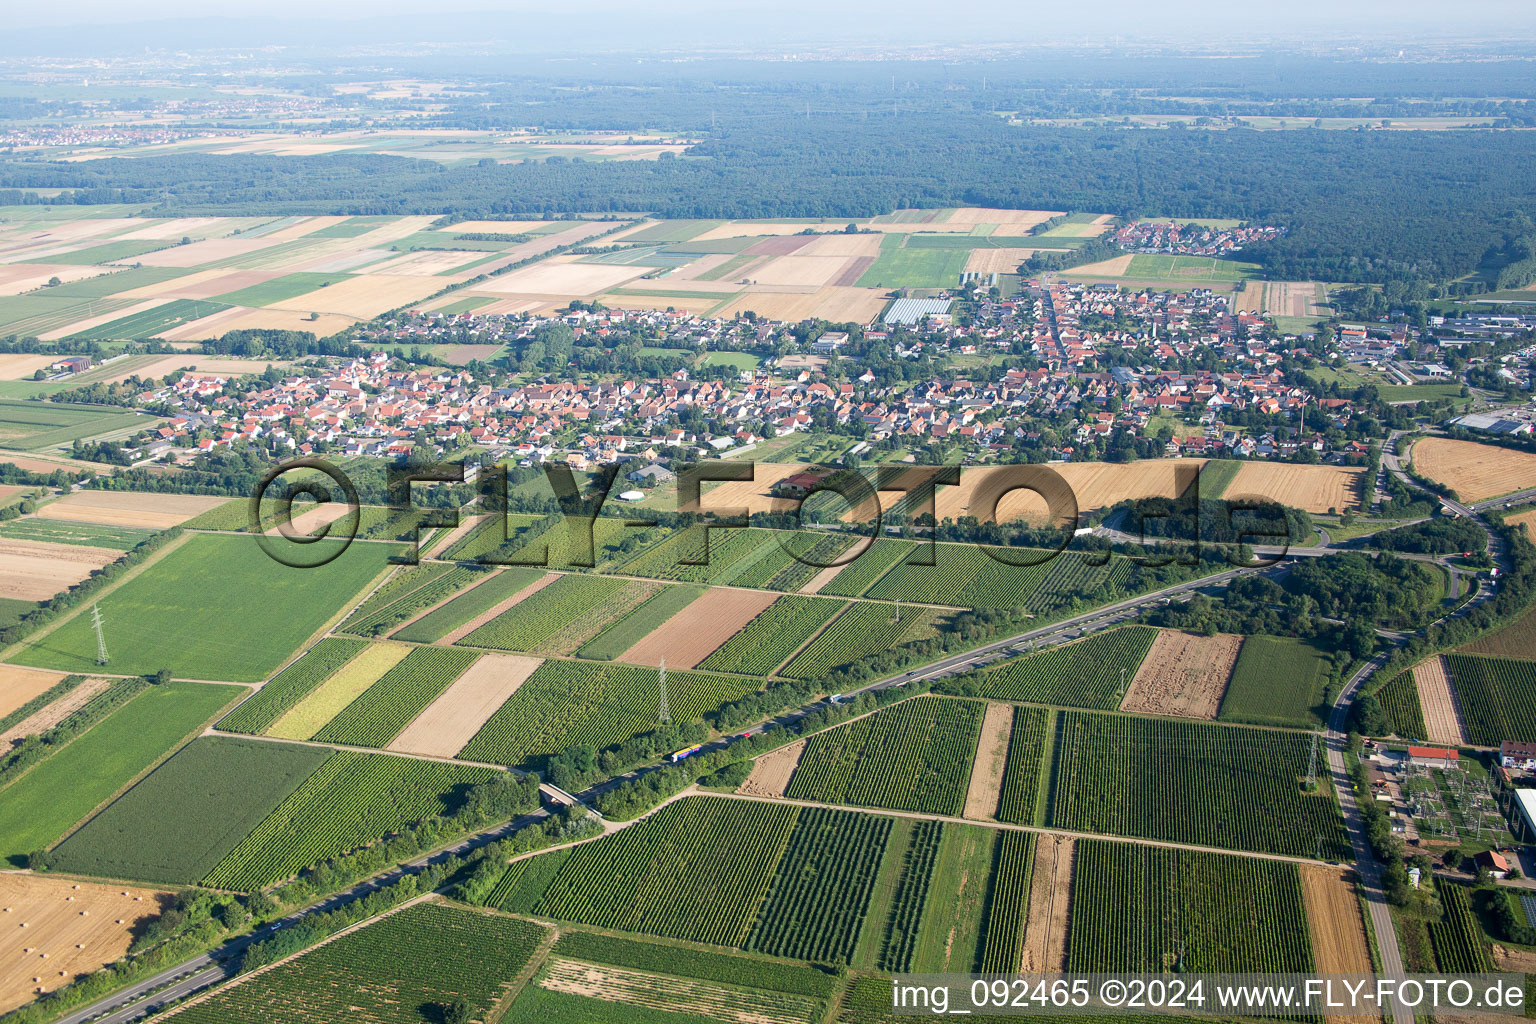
pixel 1342 195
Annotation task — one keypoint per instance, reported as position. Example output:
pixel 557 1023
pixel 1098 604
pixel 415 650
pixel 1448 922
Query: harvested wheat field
pixel 242 318
pixel 426 263
pixel 991 756
pixel 130 508
pixel 1311 488
pixel 771 772
pixel 491 613
pixel 809 272
pixel 1525 519
pixel 692 635
pixel 36 570
pixel 25 277
pixel 970 216
pixel 560 276
pixel 996 261
pixel 662 300
pixel 1437 699
pixel 52 929
pixel 201 364
pixel 19 685
pixel 494 227
pixel 755 228
pixel 1050 905
pixel 842 245
pixel 1183 674
pixel 453 718
pixel 364 296
pixel 834 302
pixel 1094 484
pixel 1338 934
pixel 17 366
pixel 754 495
pixel 203 284
pixel 210 251
pixel 50 716
pixel 1117 267
pixel 1474 471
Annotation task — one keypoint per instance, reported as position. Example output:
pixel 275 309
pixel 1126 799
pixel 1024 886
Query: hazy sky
pixel 737 23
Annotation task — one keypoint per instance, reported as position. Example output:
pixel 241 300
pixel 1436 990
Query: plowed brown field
pixel 692 635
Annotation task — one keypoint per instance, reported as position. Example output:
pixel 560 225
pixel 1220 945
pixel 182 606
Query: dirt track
pixel 1338 935
pixel 991 755
pixel 1050 905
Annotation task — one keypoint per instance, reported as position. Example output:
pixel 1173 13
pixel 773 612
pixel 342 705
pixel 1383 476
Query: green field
pixel 1144 908
pixel 644 620
pixel 912 756
pixel 776 633
pixel 1191 782
pixel 686 962
pixel 866 628
pixel 477 601
pixel 216 607
pixel 1278 681
pixel 402 969
pixel 541 615
pixel 350 801
pixel 1399 701
pixel 280 289
pixel 1189 268
pixel 31 426
pixel 310 713
pixel 950 940
pixel 566 703
pixel 1497 696
pixel 740 360
pixel 909 896
pixel 153 321
pixel 59 531
pixel 41 805
pixel 187 814
pixel 410 591
pixel 817 902
pixel 1020 800
pixel 901 266
pixel 1084 674
pixel 698 869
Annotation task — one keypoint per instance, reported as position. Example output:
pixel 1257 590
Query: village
pixel 1064 370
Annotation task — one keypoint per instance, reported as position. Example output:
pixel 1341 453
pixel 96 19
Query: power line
pixel 101 637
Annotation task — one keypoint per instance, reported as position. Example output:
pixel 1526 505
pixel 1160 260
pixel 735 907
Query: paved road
pixel 1365 859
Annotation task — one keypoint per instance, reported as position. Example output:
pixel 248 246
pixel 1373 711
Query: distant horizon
pixel 603 26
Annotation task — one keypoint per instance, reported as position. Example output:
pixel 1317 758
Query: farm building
pixel 1440 757
pixel 1513 754
pixel 797 486
pixel 73 364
